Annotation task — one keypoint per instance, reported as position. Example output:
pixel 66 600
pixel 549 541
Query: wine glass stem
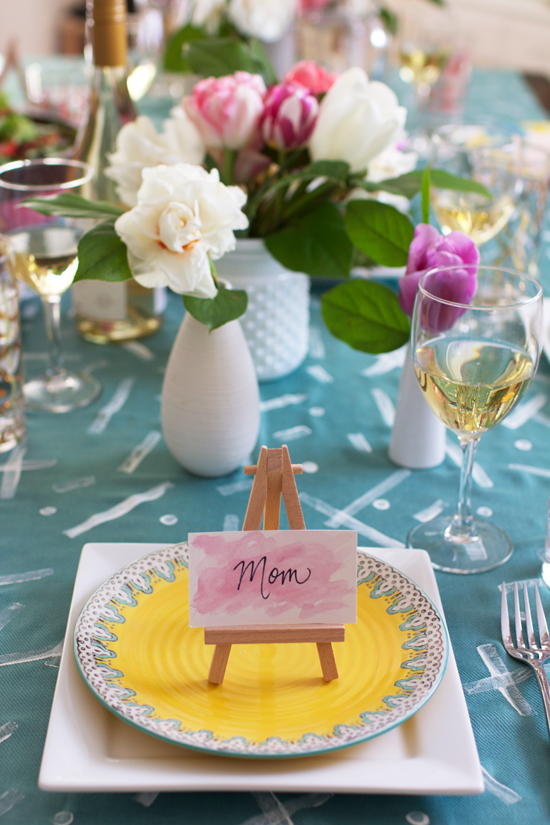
pixel 52 315
pixel 462 525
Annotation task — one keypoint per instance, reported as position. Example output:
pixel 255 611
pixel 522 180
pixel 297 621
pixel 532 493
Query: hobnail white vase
pixel 418 435
pixel 276 323
pixel 210 405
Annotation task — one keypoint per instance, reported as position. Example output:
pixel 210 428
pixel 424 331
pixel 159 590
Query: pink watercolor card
pixel 272 577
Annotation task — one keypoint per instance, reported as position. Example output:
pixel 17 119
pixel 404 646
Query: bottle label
pixel 100 301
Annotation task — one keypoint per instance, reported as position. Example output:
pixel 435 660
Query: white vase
pixel 210 402
pixel 418 435
pixel 276 323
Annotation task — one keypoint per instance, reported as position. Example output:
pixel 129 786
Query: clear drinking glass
pixel 473 362
pixel 45 259
pixel 489 157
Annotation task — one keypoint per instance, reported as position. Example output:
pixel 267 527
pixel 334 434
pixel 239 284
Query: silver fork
pixel 531 653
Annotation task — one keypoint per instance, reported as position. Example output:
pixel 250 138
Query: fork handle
pixel 544 689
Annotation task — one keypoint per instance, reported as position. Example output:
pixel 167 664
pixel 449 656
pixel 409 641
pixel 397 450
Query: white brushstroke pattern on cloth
pixel 320 374
pixel 496 667
pixel 293 433
pixel 9 799
pixel 7 613
pixel 359 442
pixel 140 452
pixel 316 346
pixel 235 487
pixel 139 350
pixel 117 401
pixel 74 484
pixel 119 510
pixel 350 522
pixel 43 464
pixel 282 401
pixel 30 575
pixel 12 473
pixel 7 730
pixel 429 513
pixel 386 362
pixel 369 497
pixel 502 792
pixel 385 405
pixel 534 471
pixel 32 655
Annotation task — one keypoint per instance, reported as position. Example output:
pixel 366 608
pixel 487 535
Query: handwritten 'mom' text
pixel 275 575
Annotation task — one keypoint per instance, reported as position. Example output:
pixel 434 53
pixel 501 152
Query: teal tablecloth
pixel 513 746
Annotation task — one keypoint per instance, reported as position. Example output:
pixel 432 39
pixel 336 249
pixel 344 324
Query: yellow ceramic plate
pixel 136 652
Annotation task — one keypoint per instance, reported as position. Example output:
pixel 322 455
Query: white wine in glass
pixel 472 214
pixel 44 257
pixel 473 362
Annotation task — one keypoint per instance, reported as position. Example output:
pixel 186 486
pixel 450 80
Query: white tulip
pixel 208 13
pixel 266 19
pixel 139 145
pixel 184 217
pixel 357 120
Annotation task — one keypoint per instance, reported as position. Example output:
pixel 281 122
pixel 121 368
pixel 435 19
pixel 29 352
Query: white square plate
pixel 89 749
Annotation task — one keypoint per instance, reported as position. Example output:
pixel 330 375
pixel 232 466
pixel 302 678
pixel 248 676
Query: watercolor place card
pixel 272 577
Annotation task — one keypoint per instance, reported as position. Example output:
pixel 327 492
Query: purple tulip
pixel 289 116
pixel 430 250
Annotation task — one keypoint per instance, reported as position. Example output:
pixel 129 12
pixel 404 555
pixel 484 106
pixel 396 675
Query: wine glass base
pixel 489 549
pixel 60 393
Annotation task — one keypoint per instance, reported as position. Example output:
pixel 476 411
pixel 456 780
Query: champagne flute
pixel 473 362
pixel 488 157
pixel 45 259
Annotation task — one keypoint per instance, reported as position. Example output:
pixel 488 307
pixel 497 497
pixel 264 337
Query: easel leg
pixel 328 663
pixel 219 663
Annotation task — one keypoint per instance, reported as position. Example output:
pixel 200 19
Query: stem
pixel 52 315
pixel 462 526
pixel 228 162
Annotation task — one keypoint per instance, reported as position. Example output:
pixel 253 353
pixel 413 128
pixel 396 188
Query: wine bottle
pixel 110 312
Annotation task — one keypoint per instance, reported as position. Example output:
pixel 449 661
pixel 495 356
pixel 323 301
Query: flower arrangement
pixel 288 163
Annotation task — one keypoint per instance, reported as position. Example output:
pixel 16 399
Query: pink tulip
pixel 226 110
pixel 428 250
pixel 307 73
pixel 289 116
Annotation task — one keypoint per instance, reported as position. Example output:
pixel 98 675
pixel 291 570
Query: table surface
pixel 69 474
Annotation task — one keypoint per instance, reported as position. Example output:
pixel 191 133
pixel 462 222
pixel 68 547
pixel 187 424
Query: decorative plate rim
pixel 400 708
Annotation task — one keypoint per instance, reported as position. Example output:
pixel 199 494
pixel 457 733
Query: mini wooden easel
pixel 273 476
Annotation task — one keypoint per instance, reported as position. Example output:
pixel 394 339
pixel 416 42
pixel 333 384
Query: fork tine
pixel 532 642
pixel 517 617
pixel 504 618
pixel 541 618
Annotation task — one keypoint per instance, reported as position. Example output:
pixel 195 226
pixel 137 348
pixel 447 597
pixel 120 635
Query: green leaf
pixel 444 180
pixel 333 169
pixel 389 19
pixel 315 243
pixel 73 206
pixel 366 315
pixel 174 59
pixel 228 305
pixel 219 56
pixel 405 185
pixel 426 194
pixel 102 256
pixel 380 231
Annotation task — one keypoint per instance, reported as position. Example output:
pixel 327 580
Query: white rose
pixel 266 19
pixel 139 145
pixel 184 217
pixel 357 120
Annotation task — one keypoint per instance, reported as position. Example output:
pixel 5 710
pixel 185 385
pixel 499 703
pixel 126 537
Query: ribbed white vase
pixel 210 402
pixel 418 435
pixel 276 323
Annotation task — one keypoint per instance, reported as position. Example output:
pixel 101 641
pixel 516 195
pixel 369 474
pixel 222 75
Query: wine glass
pixel 45 259
pixel 473 363
pixel 489 157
